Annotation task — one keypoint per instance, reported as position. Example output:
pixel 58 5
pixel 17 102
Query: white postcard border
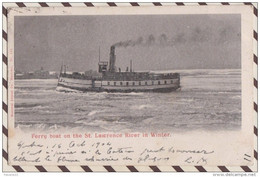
pixel 115 168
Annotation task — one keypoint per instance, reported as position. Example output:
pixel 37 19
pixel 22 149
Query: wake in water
pixel 63 89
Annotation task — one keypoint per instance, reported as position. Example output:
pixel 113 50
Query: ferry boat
pixel 111 79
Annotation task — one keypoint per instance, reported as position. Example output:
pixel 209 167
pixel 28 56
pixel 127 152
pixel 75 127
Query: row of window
pixel 140 83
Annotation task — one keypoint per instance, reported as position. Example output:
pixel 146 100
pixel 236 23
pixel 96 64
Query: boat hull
pixel 164 85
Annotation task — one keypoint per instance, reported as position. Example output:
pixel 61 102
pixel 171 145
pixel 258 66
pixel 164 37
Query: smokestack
pixel 112 61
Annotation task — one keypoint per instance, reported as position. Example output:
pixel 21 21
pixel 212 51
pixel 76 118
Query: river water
pixel 208 100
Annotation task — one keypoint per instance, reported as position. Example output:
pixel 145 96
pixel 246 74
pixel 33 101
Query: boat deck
pixel 123 76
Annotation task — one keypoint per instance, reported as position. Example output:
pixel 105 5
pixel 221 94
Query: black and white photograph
pixel 128 72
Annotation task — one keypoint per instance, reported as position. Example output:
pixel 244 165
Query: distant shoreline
pixel 182 73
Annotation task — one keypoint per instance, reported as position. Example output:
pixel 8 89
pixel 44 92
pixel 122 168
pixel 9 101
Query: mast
pixel 99 54
pixel 61 68
pixel 130 65
pixel 65 68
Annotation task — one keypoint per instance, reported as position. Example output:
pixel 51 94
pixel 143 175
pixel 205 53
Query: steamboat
pixel 111 79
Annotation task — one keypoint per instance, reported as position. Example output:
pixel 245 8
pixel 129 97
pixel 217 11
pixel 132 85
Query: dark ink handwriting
pixel 119 150
pixel 23 159
pixel 33 144
pixel 65 159
pixel 153 151
pixel 153 159
pixel 201 161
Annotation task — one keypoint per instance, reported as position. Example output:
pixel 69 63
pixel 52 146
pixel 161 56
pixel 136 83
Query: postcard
pixel 166 86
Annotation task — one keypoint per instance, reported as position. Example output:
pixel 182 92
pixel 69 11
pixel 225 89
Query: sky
pixel 152 42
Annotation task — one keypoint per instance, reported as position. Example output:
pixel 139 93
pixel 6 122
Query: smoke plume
pixel 195 35
pixel 151 40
